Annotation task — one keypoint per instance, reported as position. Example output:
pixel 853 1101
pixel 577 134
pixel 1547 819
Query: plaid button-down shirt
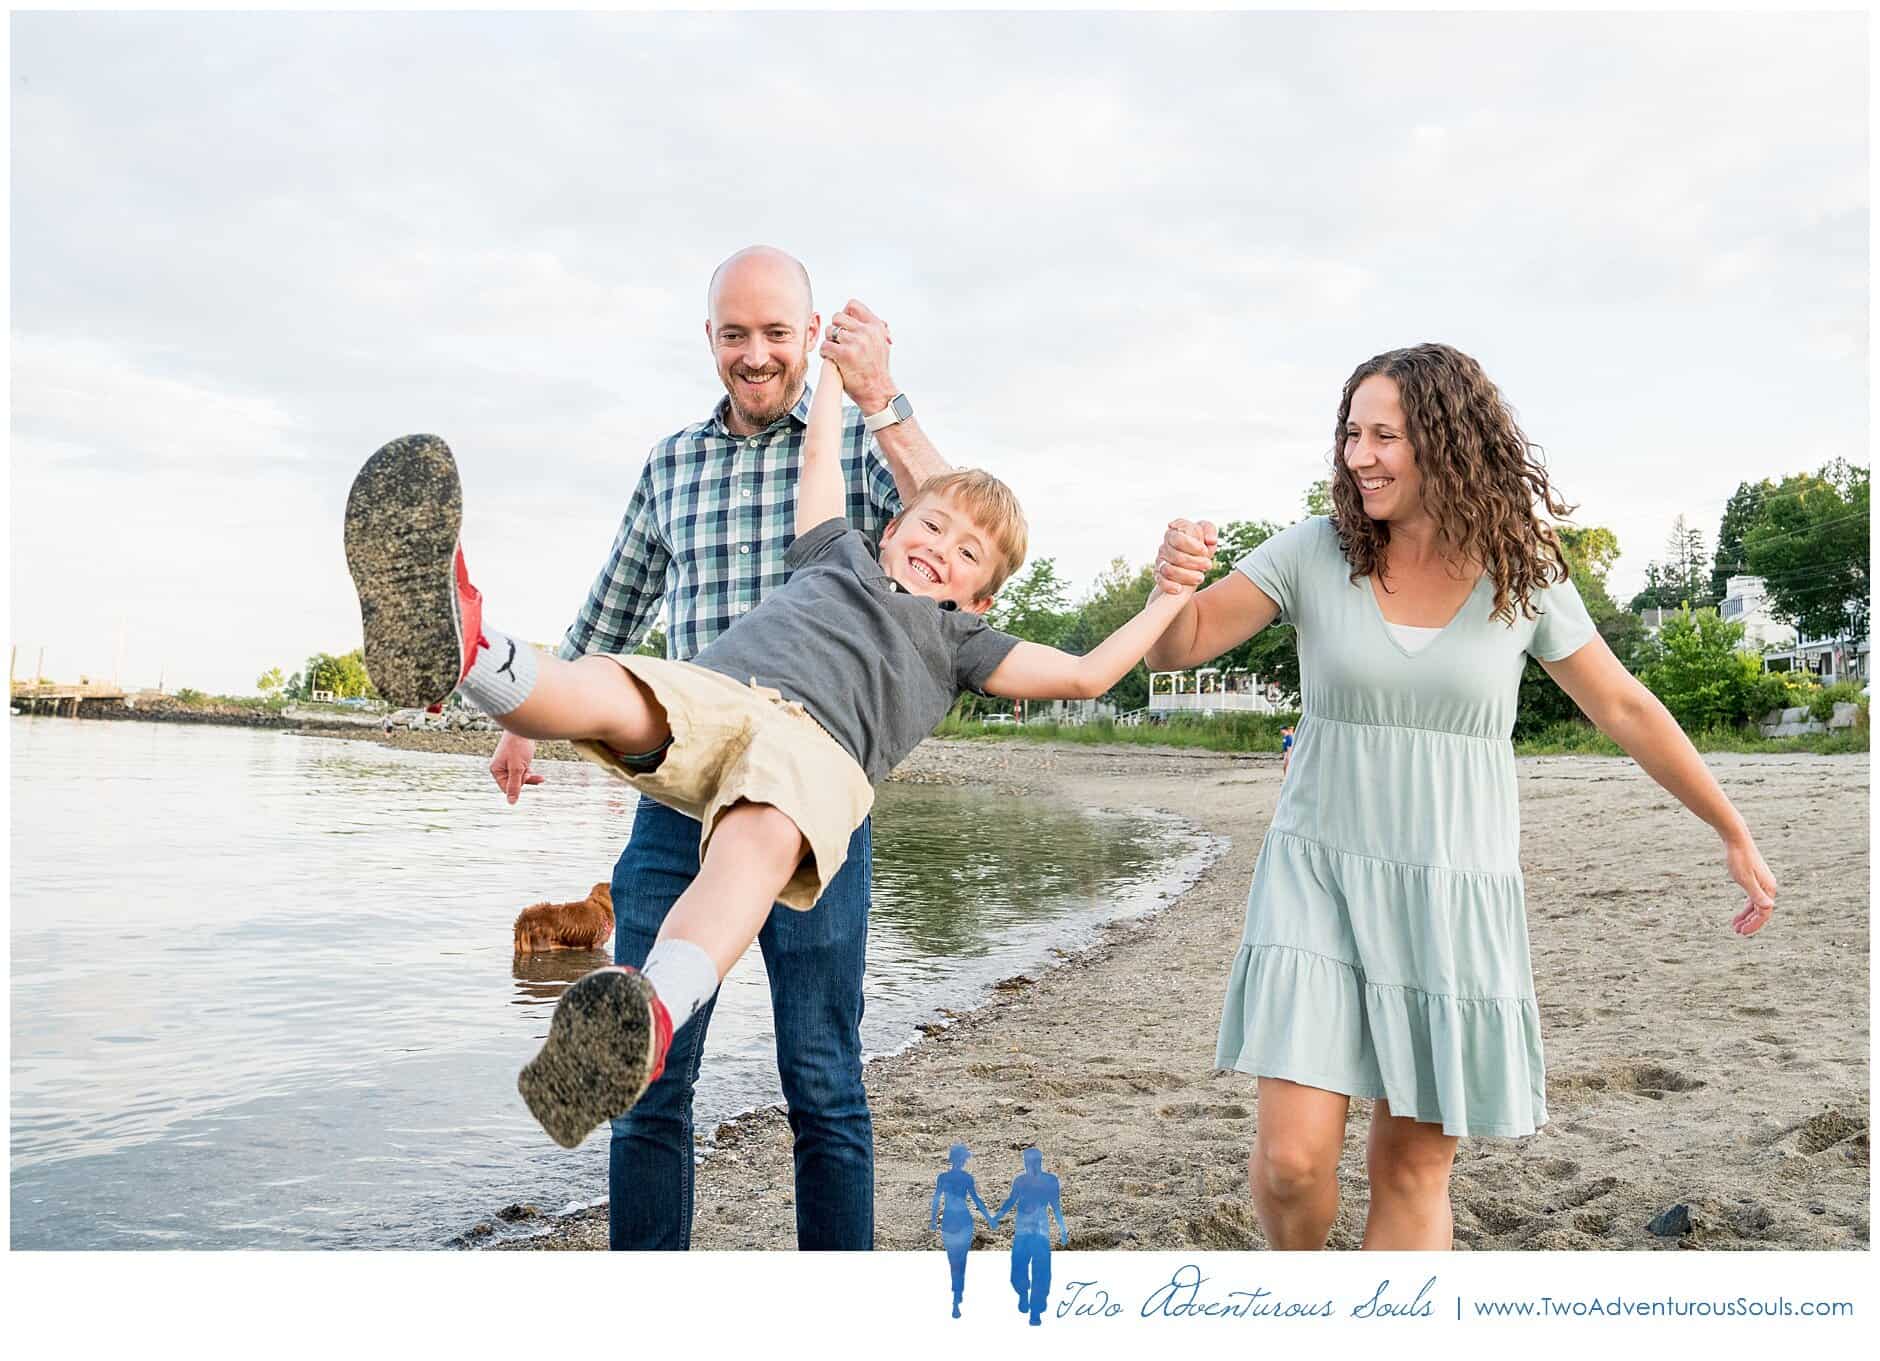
pixel 707 528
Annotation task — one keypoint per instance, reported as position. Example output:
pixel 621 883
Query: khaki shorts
pixel 733 742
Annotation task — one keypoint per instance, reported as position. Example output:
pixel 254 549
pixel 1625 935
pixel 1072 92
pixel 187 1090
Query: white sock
pixel 684 977
pixel 502 675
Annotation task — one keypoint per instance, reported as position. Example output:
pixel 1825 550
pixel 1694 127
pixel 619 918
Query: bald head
pixel 762 332
pixel 762 268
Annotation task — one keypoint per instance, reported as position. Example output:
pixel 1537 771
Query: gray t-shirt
pixel 877 666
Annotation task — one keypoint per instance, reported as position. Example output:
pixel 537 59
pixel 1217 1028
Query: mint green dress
pixel 1386 949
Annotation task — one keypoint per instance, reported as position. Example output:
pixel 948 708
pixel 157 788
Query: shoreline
pixel 1685 1065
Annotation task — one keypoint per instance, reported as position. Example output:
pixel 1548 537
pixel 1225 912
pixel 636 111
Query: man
pixel 706 530
pixel 1037 1195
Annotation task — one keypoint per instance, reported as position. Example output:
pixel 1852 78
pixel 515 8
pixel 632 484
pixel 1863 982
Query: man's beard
pixel 784 390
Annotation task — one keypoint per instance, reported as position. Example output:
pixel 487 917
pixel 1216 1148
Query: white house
pixel 1828 659
pixel 1745 602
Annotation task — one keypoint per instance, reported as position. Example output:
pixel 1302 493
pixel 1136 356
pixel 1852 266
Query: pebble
pixel 1672 1223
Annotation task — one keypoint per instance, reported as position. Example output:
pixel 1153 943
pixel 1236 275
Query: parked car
pixel 998 721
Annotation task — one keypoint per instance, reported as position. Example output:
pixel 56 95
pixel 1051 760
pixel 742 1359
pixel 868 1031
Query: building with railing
pixel 1211 690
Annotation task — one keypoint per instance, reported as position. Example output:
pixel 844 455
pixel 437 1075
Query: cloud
pixel 1129 259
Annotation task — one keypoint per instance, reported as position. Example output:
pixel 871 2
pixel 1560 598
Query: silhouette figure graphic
pixel 1036 1195
pixel 954 1217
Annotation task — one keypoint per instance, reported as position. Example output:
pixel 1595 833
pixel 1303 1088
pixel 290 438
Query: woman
pixel 1385 952
pixel 955 1222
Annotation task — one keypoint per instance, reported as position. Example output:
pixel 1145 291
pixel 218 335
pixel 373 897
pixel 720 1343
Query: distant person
pixel 1037 1196
pixel 953 1216
pixel 1285 751
pixel 1386 953
pixel 772 737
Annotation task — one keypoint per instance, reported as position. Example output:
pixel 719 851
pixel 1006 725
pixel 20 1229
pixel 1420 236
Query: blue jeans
pixel 815 961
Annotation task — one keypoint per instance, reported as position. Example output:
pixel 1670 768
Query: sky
pixel 1128 260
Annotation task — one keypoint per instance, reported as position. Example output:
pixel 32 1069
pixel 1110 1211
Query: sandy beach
pixel 1686 1065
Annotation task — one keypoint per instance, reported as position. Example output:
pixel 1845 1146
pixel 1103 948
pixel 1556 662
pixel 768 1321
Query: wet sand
pixel 1686 1065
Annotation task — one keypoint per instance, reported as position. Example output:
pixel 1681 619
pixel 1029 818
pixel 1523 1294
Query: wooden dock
pixel 62 697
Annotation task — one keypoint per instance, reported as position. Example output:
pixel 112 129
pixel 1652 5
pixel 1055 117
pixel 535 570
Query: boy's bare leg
pixel 753 854
pixel 608 1040
pixel 591 699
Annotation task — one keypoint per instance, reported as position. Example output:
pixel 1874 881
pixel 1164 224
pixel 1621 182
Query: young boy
pixel 773 736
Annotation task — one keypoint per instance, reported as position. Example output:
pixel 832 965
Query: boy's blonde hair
pixel 992 506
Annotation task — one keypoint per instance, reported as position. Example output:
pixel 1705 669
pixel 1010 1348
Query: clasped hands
pixel 856 341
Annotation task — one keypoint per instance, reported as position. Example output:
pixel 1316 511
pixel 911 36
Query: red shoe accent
pixel 662 1038
pixel 469 616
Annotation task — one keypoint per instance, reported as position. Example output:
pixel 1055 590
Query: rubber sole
pixel 598 1056
pixel 402 520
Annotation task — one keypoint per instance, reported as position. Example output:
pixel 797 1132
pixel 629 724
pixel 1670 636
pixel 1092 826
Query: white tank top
pixel 1413 637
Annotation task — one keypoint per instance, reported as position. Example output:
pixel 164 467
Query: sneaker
pixel 423 619
pixel 605 1047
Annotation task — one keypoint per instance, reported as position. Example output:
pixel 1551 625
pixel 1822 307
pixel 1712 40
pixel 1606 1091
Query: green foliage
pixel 1590 553
pixel 1272 654
pixel 190 697
pixel 1743 510
pixel 1319 497
pixel 1582 739
pixel 1682 578
pixel 1592 549
pixel 1226 732
pixel 270 681
pixel 1702 677
pixel 1568 737
pixel 1656 595
pixel 1810 545
pixel 1117 596
pixel 1821 703
pixel 1035 606
pixel 654 644
pixel 345 675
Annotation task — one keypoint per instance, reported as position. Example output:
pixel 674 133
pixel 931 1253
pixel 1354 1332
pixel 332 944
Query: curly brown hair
pixel 1481 476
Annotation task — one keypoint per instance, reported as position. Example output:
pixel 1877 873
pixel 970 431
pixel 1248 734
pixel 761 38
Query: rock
pixel 511 1214
pixel 1672 1223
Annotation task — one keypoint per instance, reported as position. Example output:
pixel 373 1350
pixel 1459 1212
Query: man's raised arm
pixel 858 340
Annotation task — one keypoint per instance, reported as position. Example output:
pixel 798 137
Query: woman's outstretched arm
pixel 1622 708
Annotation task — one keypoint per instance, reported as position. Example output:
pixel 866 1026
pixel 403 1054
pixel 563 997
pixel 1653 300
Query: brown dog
pixel 567 926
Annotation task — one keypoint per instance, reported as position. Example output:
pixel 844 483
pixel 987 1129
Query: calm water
pixel 263 993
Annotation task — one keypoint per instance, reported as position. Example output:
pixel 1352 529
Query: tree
pixel 1685 556
pixel 270 680
pixel 1272 654
pixel 1810 546
pixel 1035 606
pixel 1117 595
pixel 1590 554
pixel 1593 549
pixel 654 644
pixel 1319 497
pixel 1657 595
pixel 345 676
pixel 1703 677
pixel 1743 510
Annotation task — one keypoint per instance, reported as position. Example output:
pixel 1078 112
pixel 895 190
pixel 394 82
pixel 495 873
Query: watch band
pixel 893 413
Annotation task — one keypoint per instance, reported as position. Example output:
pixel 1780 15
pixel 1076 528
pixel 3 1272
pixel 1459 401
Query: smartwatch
pixel 896 411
